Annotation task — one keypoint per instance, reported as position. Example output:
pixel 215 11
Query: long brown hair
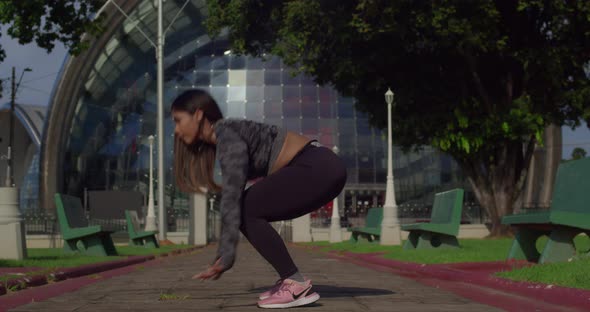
pixel 194 163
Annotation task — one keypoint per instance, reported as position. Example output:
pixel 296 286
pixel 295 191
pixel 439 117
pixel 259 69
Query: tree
pixel 48 21
pixel 479 80
pixel 578 153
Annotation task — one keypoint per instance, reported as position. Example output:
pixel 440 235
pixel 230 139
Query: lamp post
pixel 159 47
pixel 150 220
pixel 390 228
pixel 335 231
pixel 9 182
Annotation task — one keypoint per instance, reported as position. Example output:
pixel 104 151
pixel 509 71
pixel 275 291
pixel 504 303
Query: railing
pixel 42 222
pixel 407 213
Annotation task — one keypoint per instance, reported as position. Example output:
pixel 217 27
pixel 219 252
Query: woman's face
pixel 186 125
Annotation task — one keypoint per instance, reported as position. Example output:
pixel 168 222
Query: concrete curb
pixel 88 269
pixel 480 274
pixel 576 297
pixel 97 267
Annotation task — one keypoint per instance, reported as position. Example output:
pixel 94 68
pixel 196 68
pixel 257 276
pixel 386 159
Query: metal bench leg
pixel 70 246
pixel 447 241
pixel 425 241
pixel 523 246
pixel 412 240
pixel 92 246
pixel 136 242
pixel 109 245
pixel 354 237
pixel 151 242
pixel 372 238
pixel 560 246
pixel 363 238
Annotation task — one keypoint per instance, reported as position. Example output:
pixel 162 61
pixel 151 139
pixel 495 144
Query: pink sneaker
pixel 271 291
pixel 290 294
pixel 274 289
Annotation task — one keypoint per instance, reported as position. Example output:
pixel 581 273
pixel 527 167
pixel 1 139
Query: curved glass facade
pixel 117 112
pixel 107 147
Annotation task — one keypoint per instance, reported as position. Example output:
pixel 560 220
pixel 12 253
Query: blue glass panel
pixel 273 62
pixel 236 109
pixel 254 110
pixel 362 126
pixel 289 80
pixel 310 127
pixel 203 78
pixel 273 109
pixel 272 77
pixel 237 62
pixel 255 94
pixel 255 78
pixel 292 124
pixel 255 63
pixel 219 78
pixel 203 62
pixel 345 107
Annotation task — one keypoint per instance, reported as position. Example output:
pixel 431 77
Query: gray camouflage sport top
pixel 245 150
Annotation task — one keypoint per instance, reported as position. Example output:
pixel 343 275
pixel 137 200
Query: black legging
pixel 313 178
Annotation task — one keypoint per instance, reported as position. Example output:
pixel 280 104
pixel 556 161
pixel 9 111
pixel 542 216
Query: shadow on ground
pixel 330 291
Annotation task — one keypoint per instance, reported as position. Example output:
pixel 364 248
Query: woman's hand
pixel 212 272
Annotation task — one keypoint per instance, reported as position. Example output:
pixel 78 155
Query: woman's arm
pixel 232 153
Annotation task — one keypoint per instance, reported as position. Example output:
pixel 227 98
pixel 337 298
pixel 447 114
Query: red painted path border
pixel 71 279
pixel 476 282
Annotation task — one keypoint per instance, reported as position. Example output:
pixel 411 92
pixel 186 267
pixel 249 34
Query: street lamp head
pixel 28 69
pixel 389 96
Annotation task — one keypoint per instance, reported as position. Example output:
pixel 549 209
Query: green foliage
pixel 48 21
pixel 467 75
pixel 480 80
pixel 578 153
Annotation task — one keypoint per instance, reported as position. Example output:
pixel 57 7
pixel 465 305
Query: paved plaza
pixel 168 286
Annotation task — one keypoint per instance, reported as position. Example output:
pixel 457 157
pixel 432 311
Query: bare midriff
pixel 293 144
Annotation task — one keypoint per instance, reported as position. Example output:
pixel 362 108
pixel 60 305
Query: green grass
pixel 569 274
pixel 55 258
pixel 472 250
pixel 141 251
pixel 164 297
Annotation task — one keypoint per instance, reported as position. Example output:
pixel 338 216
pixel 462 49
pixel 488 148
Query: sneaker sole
pixel 297 303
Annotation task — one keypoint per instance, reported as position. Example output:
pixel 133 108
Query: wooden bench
pixel 136 236
pixel 372 229
pixel 568 216
pixel 443 227
pixel 77 235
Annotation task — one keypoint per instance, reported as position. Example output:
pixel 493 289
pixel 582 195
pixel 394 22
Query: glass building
pixel 103 109
pixel 28 127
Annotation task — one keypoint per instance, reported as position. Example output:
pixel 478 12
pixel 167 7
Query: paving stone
pixel 342 286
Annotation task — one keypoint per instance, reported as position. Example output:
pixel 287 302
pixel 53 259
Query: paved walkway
pixel 342 286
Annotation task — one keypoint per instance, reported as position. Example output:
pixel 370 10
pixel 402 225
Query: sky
pixel 37 85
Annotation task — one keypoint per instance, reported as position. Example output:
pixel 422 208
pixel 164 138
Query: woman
pixel 299 177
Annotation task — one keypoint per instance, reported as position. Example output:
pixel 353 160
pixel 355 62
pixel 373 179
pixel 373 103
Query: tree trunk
pixel 497 178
